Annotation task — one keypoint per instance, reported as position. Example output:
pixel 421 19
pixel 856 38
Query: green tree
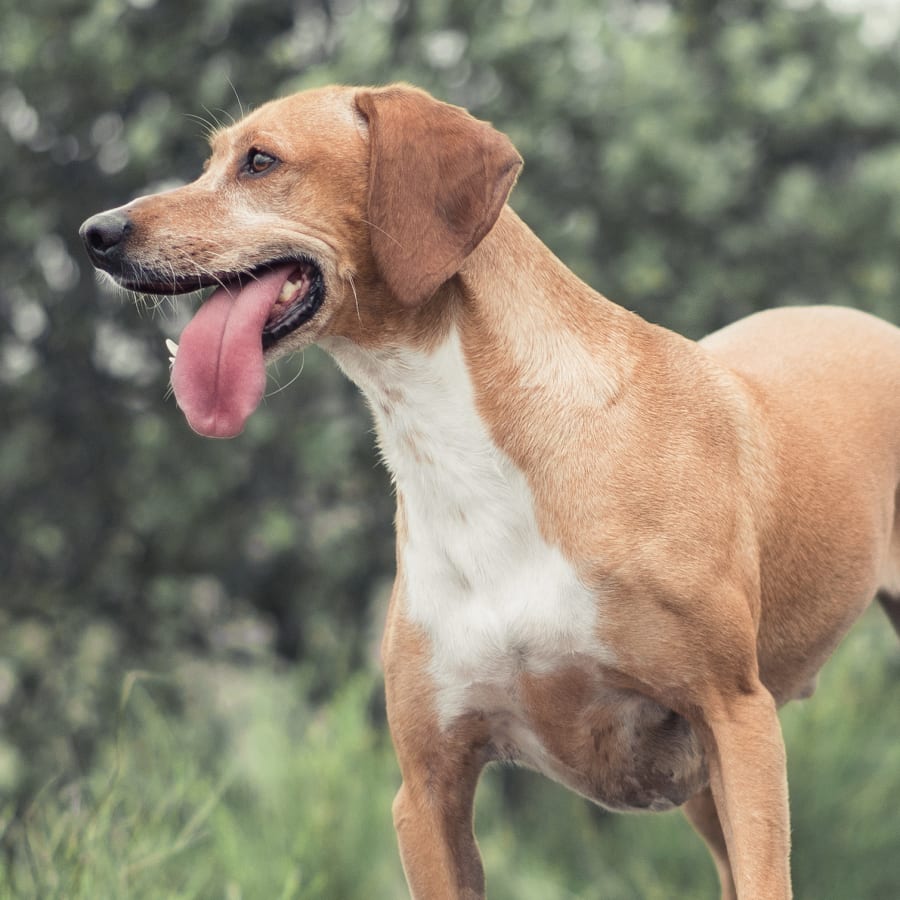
pixel 694 161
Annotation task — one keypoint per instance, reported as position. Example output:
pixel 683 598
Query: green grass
pixel 256 796
pixel 250 792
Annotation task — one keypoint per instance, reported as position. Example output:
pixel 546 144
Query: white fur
pixel 492 595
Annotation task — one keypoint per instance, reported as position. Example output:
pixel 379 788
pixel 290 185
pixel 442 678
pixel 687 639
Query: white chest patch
pixel 494 597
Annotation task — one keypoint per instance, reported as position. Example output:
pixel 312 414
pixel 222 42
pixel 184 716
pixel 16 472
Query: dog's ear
pixel 438 179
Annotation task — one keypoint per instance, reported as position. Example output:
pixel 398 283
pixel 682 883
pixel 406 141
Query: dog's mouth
pixel 301 295
pixel 300 298
pixel 219 371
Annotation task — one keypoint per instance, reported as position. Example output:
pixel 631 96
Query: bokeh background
pixel 190 701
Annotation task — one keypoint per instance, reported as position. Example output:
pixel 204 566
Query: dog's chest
pixel 495 598
pixel 515 636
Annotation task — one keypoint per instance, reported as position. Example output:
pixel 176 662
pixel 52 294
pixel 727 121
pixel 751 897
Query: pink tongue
pixel 219 374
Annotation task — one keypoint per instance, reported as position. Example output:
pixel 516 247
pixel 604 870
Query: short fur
pixel 618 550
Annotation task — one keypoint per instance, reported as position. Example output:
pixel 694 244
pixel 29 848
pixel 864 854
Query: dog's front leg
pixel 433 810
pixel 433 819
pixel 748 778
pixel 440 764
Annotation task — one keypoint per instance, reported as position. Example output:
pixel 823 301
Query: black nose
pixel 104 237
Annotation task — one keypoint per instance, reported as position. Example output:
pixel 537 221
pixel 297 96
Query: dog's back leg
pixel 701 813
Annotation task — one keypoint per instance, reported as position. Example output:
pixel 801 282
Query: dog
pixel 618 550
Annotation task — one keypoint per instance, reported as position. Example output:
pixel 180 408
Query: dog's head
pixel 331 212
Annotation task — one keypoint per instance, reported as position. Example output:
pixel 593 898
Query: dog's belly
pixel 617 748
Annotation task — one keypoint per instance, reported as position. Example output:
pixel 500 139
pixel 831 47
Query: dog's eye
pixel 258 162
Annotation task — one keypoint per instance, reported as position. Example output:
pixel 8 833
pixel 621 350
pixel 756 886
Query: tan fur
pixel 732 504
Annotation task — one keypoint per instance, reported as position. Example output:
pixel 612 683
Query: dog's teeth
pixel 290 287
pixel 172 347
pixel 287 291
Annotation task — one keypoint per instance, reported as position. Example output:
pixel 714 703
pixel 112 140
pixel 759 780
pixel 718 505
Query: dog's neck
pixel 521 352
pixel 516 331
pixel 536 284
pixel 521 301
pixel 517 319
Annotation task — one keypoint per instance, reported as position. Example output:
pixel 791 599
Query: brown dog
pixel 618 550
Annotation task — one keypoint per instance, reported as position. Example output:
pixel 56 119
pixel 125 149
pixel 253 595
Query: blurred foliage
pixel 695 160
pixel 268 797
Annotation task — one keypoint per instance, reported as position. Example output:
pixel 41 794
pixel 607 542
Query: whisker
pixel 355 297
pixel 385 233
pixel 208 128
pixel 280 388
pixel 219 126
pixel 236 97
pixel 226 113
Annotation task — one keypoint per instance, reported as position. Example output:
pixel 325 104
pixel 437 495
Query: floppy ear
pixel 438 179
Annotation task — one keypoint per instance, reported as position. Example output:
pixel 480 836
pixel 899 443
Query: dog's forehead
pixel 315 112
